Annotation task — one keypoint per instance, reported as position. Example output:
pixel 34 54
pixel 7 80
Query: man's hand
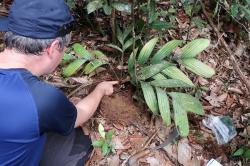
pixel 106 87
pixel 87 106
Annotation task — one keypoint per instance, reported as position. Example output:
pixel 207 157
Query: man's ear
pixel 54 46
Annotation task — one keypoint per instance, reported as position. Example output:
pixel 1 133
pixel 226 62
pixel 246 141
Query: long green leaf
pixel 195 47
pixel 94 5
pixel 169 83
pixel 99 55
pixel 73 67
pixel 131 65
pixel 107 9
pixel 80 50
pixel 175 73
pixel 109 135
pixel 146 51
pixel 159 76
pixel 166 50
pixel 246 12
pixel 247 154
pixel 119 35
pixel 239 152
pixel 159 25
pixel 127 32
pixel 128 43
pixel 152 70
pixel 115 47
pixel 234 9
pixel 98 143
pixel 180 118
pixel 150 97
pixel 198 67
pixel 188 102
pixel 91 66
pixel 122 7
pixel 67 57
pixel 105 149
pixel 163 103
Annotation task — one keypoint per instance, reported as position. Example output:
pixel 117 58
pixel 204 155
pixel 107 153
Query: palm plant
pixel 161 80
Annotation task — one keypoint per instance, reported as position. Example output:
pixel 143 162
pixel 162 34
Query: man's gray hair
pixel 32 46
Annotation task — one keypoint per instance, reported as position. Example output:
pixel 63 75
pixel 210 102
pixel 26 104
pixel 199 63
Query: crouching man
pixel 38 124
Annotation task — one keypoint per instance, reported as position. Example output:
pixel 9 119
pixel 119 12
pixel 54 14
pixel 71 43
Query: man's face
pixel 55 55
pixel 57 59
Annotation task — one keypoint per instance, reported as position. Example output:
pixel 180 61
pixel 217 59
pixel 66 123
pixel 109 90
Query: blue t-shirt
pixel 29 108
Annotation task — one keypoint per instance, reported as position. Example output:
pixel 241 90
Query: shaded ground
pixel 132 123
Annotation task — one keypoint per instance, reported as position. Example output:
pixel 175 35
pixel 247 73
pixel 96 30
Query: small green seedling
pixel 242 152
pixel 87 61
pixel 105 141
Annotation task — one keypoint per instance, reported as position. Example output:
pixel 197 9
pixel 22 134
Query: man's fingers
pixel 114 82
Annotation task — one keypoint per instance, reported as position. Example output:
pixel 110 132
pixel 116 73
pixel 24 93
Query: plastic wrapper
pixel 222 127
pixel 213 162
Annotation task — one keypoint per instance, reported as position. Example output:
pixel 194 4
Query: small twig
pixel 170 158
pixel 60 84
pixel 219 38
pixel 95 83
pixel 218 15
pixel 122 62
pixel 150 139
pixel 138 127
pixel 134 158
pixel 112 69
pixel 231 54
pixel 81 87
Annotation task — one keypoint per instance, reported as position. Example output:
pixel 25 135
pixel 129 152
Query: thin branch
pixel 191 18
pixel 112 22
pixel 231 54
pixel 133 35
pixel 112 69
pixel 246 29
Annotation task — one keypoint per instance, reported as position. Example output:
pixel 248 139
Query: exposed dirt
pixel 120 108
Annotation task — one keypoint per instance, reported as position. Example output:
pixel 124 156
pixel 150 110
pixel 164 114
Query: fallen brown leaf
pixel 114 161
pixel 184 152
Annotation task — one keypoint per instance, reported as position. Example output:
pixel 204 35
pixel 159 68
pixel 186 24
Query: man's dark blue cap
pixel 39 19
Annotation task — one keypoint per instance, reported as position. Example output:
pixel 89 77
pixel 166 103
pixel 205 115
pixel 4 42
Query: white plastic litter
pixel 222 127
pixel 213 162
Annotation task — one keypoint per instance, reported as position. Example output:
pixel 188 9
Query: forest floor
pixel 135 128
pixel 133 125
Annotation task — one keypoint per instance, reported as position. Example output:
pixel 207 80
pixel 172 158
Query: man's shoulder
pixel 56 113
pixel 41 88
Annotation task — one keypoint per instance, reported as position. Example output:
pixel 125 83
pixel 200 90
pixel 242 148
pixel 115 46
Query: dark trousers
pixel 71 150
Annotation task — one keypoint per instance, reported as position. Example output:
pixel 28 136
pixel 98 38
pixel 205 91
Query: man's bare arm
pixel 87 106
